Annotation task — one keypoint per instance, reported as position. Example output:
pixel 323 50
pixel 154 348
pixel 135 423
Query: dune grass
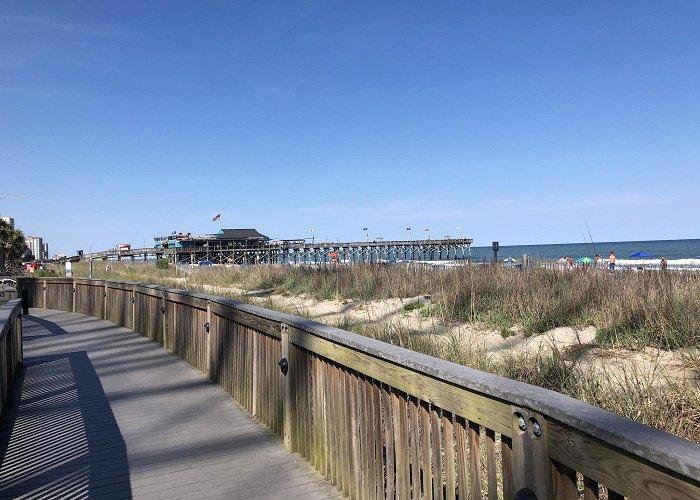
pixel 630 310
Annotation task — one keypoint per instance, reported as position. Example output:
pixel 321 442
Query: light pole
pixel 366 234
pixel 312 235
pixel 409 233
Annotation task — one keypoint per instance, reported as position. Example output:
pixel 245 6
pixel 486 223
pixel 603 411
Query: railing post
pixel 25 300
pixel 74 295
pixel 208 333
pixel 104 308
pixel 163 310
pixel 254 389
pixel 133 308
pixel 531 468
pixel 287 388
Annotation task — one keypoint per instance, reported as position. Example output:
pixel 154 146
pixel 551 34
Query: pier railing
pixel 380 421
pixel 11 356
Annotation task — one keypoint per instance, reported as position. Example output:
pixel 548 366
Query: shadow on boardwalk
pixel 106 413
pixel 62 440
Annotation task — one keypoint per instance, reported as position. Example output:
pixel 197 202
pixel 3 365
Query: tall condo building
pixel 36 246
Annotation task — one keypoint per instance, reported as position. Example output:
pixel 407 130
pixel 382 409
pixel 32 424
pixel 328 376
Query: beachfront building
pixel 198 248
pixel 36 247
pixel 9 220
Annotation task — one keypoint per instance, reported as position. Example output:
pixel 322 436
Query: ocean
pixel 671 249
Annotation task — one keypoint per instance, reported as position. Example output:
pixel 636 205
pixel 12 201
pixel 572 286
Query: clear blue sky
pixel 518 121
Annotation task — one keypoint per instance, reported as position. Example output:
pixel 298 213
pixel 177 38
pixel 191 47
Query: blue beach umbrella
pixel 510 260
pixel 584 260
pixel 639 255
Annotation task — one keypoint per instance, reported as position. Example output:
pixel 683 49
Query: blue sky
pixel 517 121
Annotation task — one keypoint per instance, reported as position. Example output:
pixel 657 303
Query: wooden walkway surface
pixel 105 413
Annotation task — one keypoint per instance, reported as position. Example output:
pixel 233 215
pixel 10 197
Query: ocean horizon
pixel 671 249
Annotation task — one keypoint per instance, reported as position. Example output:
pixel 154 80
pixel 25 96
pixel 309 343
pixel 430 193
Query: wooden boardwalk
pixel 105 413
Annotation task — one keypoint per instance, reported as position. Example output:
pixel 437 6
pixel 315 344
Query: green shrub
pixel 162 264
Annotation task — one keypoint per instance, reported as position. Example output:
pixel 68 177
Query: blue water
pixel 671 249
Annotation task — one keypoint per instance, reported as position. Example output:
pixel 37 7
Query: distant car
pixel 205 263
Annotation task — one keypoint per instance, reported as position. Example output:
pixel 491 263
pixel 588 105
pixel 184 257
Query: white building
pixel 9 220
pixel 36 246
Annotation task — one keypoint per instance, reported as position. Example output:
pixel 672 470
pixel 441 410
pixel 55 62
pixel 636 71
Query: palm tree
pixel 12 248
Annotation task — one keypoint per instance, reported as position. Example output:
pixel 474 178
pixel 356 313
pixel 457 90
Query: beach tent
pixel 510 260
pixel 639 255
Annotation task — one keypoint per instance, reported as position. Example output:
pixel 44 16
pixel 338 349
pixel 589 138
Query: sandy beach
pixel 657 366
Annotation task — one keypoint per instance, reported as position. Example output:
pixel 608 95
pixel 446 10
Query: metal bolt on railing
pixel 521 422
pixel 536 429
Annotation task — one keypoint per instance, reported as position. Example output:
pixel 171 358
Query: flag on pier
pixel 427 229
pixel 217 217
pixel 364 229
pixel 408 229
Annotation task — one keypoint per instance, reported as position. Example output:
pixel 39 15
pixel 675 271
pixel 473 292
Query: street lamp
pixel 409 233
pixel 366 233
pixel 312 235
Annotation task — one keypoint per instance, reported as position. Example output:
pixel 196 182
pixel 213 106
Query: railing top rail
pixel 8 311
pixel 658 447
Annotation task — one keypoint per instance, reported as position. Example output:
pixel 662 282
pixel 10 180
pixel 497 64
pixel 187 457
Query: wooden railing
pixel 380 421
pixel 7 294
pixel 11 355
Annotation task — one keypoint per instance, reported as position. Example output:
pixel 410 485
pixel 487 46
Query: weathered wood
pixel 436 442
pixel 403 472
pixel 378 441
pixel 449 456
pixel 507 466
pixel 426 451
pixel 287 395
pixel 264 325
pixel 178 436
pixel 462 458
pixel 590 489
pixel 641 466
pixel 414 410
pixel 613 468
pixel 389 446
pixel 531 468
pixel 346 428
pixel 563 482
pixel 491 467
pixel 363 419
pixel 355 447
pixel 335 443
pixel 474 460
pixel 478 408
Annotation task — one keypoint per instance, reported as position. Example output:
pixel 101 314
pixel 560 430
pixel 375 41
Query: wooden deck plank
pixel 107 413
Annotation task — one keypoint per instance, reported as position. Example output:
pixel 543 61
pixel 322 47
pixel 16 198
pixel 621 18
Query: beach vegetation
pixel 631 310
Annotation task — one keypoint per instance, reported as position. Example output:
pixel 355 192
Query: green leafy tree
pixel 12 247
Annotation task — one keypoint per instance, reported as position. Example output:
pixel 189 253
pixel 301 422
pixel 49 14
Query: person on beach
pixel 596 260
pixel 611 262
pixel 664 263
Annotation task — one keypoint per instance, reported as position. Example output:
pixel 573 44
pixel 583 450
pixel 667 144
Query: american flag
pixel 427 229
pixel 217 217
